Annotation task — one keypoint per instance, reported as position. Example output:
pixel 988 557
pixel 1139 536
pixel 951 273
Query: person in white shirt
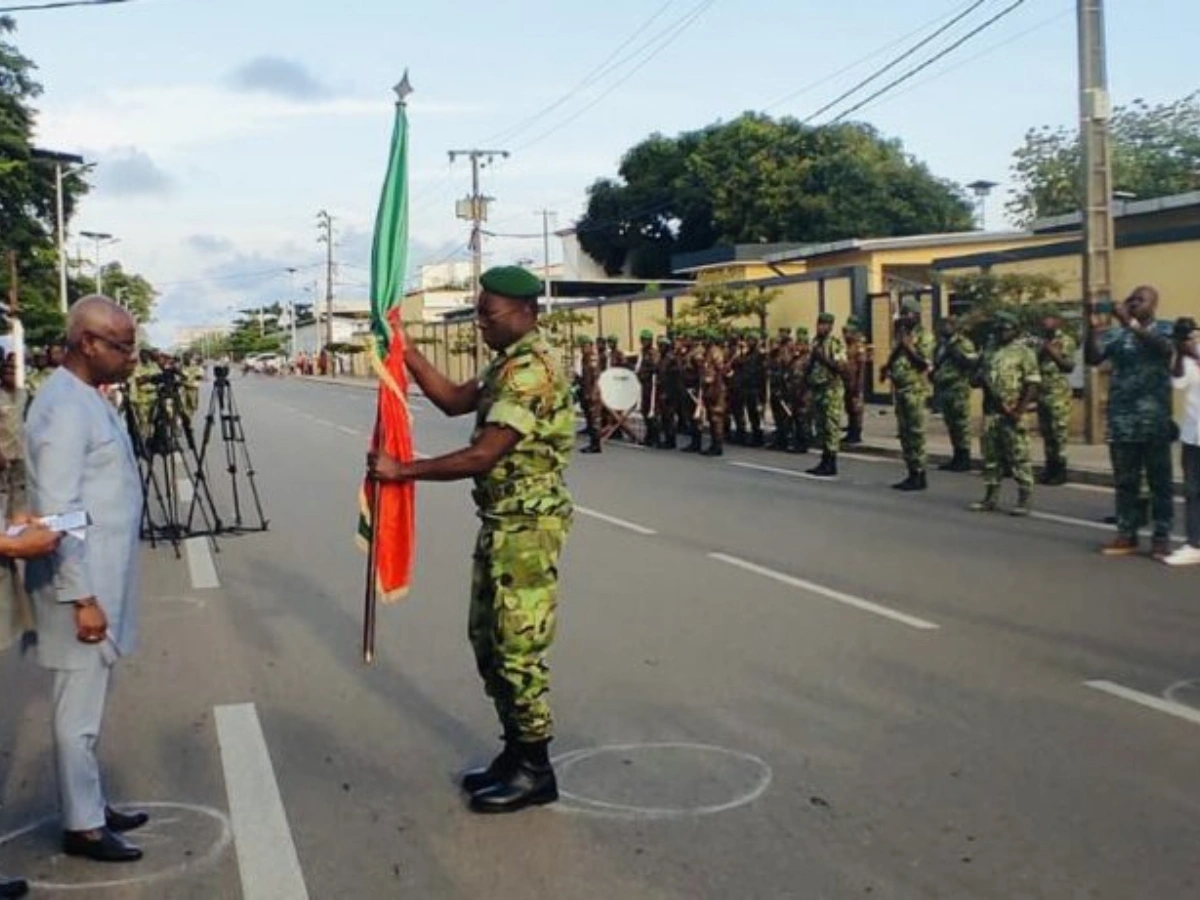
pixel 1185 376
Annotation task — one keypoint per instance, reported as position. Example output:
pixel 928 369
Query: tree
pixel 720 307
pixel 977 298
pixel 132 291
pixel 257 331
pixel 1155 152
pixel 27 197
pixel 760 180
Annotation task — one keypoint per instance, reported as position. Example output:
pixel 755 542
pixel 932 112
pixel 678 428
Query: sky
pixel 221 127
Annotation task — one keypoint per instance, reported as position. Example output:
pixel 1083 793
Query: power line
pixel 891 64
pixel 59 4
pixel 1008 10
pixel 600 70
pixel 671 35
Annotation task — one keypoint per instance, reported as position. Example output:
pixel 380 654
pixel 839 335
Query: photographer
pixel 1139 348
pixel 1185 376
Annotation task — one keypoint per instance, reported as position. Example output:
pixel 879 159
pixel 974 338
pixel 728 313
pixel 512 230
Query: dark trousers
pixel 1191 489
pixel 1129 460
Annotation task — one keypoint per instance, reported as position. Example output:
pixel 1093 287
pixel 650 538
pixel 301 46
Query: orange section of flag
pixel 394 520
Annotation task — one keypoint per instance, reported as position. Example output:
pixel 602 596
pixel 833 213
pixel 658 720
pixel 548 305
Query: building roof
pixel 1121 209
pixel 908 242
pixel 728 254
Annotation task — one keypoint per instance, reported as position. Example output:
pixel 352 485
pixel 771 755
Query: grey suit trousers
pixel 79 697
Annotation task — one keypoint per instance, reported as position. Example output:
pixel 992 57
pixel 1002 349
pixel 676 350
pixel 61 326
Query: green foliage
pixel 462 345
pixel 722 308
pixel 1155 150
pixel 257 331
pixel 755 180
pixel 133 291
pixel 559 326
pixel 1030 298
pixel 27 198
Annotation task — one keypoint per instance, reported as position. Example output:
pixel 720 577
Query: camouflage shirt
pixel 820 375
pixel 523 389
pixel 954 361
pixel 905 376
pixel 1007 371
pixel 1054 378
pixel 1139 393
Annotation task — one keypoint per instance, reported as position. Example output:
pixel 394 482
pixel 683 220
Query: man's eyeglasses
pixel 127 349
pixel 482 317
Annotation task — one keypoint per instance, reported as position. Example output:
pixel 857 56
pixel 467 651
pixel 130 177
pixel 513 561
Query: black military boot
pixel 821 469
pixel 530 783
pixel 715 448
pixel 907 483
pixel 497 771
pixel 651 437
pixel 593 444
pixel 1055 474
pixel 756 438
pixel 694 445
pixel 853 436
pixel 962 461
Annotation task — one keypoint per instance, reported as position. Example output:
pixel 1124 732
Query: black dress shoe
pixel 108 847
pixel 13 888
pixel 124 821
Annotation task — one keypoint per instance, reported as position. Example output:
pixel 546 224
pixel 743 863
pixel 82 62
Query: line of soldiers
pixel 697 382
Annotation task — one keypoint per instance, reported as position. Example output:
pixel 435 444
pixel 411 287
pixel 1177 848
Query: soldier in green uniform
pixel 735 382
pixel 692 410
pixel 779 367
pixel 193 377
pixel 907 367
pixel 1139 349
pixel 520 448
pixel 713 393
pixel 1056 355
pixel 140 392
pixel 858 363
pixel 648 375
pixel 798 393
pixel 754 386
pixel 589 391
pixel 824 376
pixel 954 363
pixel 667 390
pixel 1009 375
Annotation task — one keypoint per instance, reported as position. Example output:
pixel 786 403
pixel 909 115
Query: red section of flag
pixel 394 520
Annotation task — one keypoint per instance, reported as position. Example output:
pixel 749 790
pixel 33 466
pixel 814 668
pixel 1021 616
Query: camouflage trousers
pixel 956 412
pixel 827 404
pixel 1054 422
pixel 1006 449
pixel 514 600
pixel 910 427
pixel 1129 460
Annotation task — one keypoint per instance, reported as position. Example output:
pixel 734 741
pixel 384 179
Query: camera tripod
pixel 222 408
pixel 169 442
pixel 148 478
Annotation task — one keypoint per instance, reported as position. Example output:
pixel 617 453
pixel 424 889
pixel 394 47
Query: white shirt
pixel 1189 430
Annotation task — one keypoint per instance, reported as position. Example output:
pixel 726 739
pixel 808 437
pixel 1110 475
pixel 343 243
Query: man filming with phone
pixel 1185 376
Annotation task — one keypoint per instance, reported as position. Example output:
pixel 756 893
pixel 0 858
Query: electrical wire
pixel 671 35
pixel 59 4
pixel 941 54
pixel 892 63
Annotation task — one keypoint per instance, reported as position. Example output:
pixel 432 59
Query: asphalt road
pixel 766 686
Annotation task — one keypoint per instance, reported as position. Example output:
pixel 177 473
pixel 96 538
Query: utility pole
pixel 99 237
pixel 1095 110
pixel 546 214
pixel 474 208
pixel 16 326
pixel 325 223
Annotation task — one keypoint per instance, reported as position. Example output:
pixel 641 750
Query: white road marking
pixel 201 568
pixel 776 470
pixel 1082 523
pixel 1169 707
pixel 1101 489
pixel 267 860
pixel 829 593
pixel 863 457
pixel 613 520
pixel 324 422
pixel 344 430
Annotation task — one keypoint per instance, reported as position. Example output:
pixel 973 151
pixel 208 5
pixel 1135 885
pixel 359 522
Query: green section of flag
pixel 389 254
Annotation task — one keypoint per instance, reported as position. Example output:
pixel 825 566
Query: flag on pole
pixel 392 521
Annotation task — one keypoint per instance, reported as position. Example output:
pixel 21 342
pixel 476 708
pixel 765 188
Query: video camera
pixel 221 373
pixel 166 379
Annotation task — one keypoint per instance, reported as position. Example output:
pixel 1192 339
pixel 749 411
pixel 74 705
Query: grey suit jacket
pixel 79 457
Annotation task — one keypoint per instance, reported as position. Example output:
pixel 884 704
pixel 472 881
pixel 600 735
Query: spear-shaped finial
pixel 403 89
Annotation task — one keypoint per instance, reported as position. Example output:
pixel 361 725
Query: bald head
pixel 95 312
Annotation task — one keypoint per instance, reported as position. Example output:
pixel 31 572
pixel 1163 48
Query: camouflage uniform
pixel 754 387
pixel 858 361
pixel 827 392
pixel 691 407
pixel 1006 372
pixel 1139 427
pixel 589 394
pixel 911 391
pixel 193 377
pixel 526 512
pixel 954 364
pixel 1054 404
pixel 735 381
pixel 779 366
pixel 668 387
pixel 798 395
pixel 648 375
pixel 713 394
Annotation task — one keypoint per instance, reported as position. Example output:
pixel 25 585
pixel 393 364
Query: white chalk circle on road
pixel 181 839
pixel 659 781
pixel 1186 693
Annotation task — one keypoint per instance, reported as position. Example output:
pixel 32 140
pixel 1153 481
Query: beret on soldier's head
pixel 646 334
pixel 511 281
pixel 853 324
pixel 910 305
pixel 584 340
pixel 802 332
pixel 612 339
pixel 826 318
pixel 1005 317
pixel 784 332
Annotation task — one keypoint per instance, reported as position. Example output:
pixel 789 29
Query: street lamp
pixel 61 161
pixel 99 237
pixel 981 189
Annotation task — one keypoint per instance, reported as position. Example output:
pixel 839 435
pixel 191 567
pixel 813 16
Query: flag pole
pixel 371 590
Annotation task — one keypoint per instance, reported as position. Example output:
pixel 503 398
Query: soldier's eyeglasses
pixel 127 349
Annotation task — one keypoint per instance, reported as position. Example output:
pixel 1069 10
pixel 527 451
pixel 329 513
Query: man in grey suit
pixel 79 459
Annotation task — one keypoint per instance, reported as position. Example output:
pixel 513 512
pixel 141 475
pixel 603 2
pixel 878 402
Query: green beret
pixel 852 324
pixel 612 339
pixel 785 332
pixel 826 318
pixel 802 332
pixel 1005 317
pixel 511 281
pixel 584 340
pixel 910 305
pixel 646 335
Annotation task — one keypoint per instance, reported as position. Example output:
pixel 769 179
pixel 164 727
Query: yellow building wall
pixel 1174 269
pixel 796 305
pixel 748 271
pixel 648 315
pixel 839 299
